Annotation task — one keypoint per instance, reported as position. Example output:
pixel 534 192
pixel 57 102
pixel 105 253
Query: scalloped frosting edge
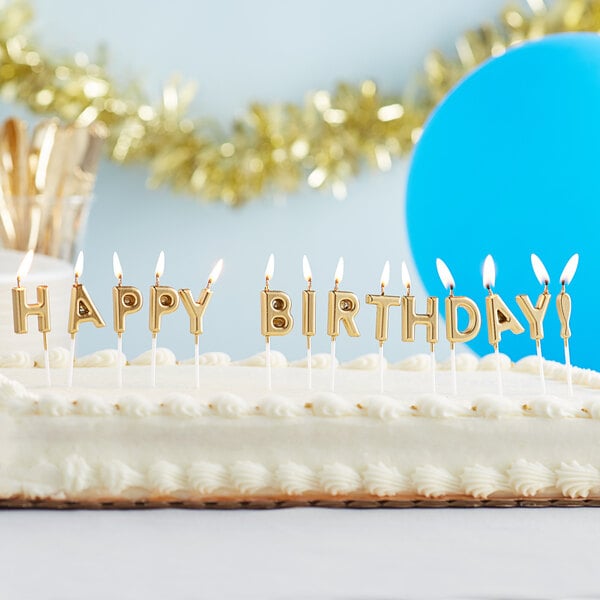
pixel 74 478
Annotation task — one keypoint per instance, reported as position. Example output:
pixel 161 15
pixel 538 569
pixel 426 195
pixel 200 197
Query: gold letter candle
pixel 81 310
pixel 453 303
pixel 126 301
pixel 41 309
pixel 563 306
pixel 275 315
pixel 411 318
pixel 341 307
pixel 163 301
pixel 309 316
pixel 196 310
pixel 535 314
pixel 382 303
pixel 498 315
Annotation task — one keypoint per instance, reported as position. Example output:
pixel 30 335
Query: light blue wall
pixel 238 52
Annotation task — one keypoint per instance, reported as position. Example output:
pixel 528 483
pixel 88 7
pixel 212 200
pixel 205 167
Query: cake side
pixel 231 442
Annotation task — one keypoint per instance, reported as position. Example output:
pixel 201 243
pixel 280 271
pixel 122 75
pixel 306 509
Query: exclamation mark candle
pixel 499 316
pixel 410 319
pixel 275 315
pixel 309 316
pixel 563 305
pixel 196 310
pixel 163 301
pixel 41 309
pixel 383 303
pixel 535 314
pixel 126 301
pixel 341 307
pixel 453 303
pixel 81 310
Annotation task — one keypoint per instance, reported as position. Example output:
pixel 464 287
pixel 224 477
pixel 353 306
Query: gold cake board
pixel 262 503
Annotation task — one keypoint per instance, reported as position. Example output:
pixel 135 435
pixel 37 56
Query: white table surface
pixel 300 553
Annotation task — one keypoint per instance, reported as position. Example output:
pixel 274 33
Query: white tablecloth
pixel 300 553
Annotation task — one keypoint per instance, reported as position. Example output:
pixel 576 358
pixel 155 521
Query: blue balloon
pixel 509 164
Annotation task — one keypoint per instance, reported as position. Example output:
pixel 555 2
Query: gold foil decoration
pixel 535 314
pixel 280 147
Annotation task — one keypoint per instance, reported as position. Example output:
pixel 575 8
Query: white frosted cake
pixel 232 443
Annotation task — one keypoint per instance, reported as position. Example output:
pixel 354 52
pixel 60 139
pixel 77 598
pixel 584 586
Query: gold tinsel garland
pixel 274 148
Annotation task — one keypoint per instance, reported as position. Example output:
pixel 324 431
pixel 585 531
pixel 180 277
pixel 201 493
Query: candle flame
pixel 216 271
pixel 117 269
pixel 78 270
pixel 160 265
pixel 270 269
pixel 339 271
pixel 489 272
pixel 25 266
pixel 540 270
pixel 405 277
pixel 306 270
pixel 385 274
pixel 569 271
pixel 444 273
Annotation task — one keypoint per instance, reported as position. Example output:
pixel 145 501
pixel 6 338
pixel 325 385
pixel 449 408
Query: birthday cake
pixel 232 443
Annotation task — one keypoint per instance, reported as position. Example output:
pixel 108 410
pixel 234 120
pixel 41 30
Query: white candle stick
pixel 153 362
pixel 333 361
pixel 119 361
pixel 563 303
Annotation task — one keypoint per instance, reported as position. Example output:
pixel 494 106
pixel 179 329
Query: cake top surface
pixel 237 389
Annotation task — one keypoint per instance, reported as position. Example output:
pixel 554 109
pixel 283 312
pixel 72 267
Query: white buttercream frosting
pixel 386 408
pixel 481 481
pixel 385 480
pixel 418 362
pixel 433 481
pixel 103 358
pixel 280 406
pixel 59 358
pixel 250 477
pixel 210 359
pixel 438 406
pixel 317 361
pixel 296 479
pixel 164 357
pixel 575 480
pixel 464 362
pixel 328 404
pixel 367 362
pixel 530 478
pixel 260 360
pixel 338 479
pixel 489 362
pixel 15 360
